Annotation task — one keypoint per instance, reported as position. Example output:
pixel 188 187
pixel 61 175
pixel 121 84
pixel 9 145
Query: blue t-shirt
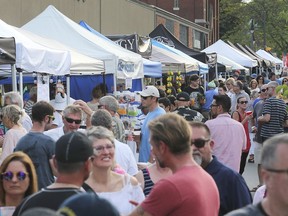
pixel 40 148
pixel 144 150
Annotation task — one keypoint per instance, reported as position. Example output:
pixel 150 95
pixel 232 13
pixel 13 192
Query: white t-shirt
pixel 55 133
pixel 120 199
pixel 125 158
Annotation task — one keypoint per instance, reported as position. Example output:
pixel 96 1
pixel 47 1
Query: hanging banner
pixel 7 50
pixel 134 43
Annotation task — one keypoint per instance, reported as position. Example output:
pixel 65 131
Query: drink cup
pixel 248 112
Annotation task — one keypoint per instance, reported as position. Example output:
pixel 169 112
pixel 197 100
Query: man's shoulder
pixel 42 198
pixel 247 210
pixel 31 136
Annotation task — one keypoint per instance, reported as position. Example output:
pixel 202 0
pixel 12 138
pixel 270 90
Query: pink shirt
pixel 230 139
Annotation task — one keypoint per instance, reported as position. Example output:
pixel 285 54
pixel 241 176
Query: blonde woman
pixel 253 85
pixel 229 84
pixel 119 189
pixel 11 118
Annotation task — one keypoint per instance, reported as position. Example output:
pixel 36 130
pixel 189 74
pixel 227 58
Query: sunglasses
pixel 145 98
pixel 199 143
pixel 51 117
pixel 70 120
pixel 264 90
pixel 243 102
pixel 100 106
pixel 8 176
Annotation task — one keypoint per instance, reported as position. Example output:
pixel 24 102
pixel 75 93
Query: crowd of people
pixel 191 152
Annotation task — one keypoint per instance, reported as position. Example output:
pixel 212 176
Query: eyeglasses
pixel 145 98
pixel 51 117
pixel 199 143
pixel 277 170
pixel 100 149
pixel 8 176
pixel 243 102
pixel 70 120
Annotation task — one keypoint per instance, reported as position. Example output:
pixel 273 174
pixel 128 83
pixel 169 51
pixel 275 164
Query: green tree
pixel 270 23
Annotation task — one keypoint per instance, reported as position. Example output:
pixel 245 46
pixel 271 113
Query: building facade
pixel 194 23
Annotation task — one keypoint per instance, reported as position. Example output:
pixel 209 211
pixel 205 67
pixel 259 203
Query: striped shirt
pixel 148 183
pixel 278 115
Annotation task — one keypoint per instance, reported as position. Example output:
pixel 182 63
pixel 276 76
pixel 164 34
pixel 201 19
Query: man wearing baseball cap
pixel 183 102
pixel 72 162
pixel 149 99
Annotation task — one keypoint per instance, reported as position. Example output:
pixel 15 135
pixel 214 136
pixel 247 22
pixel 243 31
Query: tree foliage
pixel 270 23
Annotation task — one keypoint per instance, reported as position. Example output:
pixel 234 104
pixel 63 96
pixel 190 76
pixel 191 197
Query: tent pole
pixel 142 83
pixel 68 83
pixel 21 84
pixel 216 70
pixel 104 82
pixel 14 81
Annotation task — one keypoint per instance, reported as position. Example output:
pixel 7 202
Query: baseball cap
pixel 87 204
pixel 183 96
pixel 150 91
pixel 73 147
pixel 194 77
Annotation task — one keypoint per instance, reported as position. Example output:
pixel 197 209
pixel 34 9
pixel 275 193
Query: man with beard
pixel 233 190
pixel 72 161
pixel 39 147
pixel 189 190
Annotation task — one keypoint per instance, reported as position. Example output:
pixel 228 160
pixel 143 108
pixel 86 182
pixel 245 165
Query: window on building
pixel 169 24
pixel 199 40
pixel 184 34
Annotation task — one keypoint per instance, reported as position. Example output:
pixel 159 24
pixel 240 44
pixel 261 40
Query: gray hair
pixel 72 109
pixel 273 84
pixel 110 103
pixel 102 118
pixel 269 157
pixel 15 98
pixel 100 132
pixel 13 113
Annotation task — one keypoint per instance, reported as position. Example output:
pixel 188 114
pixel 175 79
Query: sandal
pixel 255 188
pixel 251 158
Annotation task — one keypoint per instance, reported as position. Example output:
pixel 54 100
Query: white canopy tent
pixel 222 48
pixel 269 57
pixel 172 61
pixel 118 61
pixel 33 57
pixel 226 61
pixel 80 64
pixel 203 68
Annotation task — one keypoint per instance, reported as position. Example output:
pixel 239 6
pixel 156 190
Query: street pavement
pixel 250 175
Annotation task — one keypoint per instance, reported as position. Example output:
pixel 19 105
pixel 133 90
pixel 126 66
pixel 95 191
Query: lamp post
pixel 252 29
